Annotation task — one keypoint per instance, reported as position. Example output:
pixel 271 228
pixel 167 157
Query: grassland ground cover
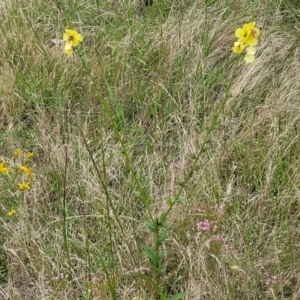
pixel 151 162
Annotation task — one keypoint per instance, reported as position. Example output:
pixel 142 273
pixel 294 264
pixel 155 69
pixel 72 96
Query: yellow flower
pixel 24 186
pixel 250 56
pixel 248 34
pixel 11 212
pixel 72 36
pixel 72 39
pixel 238 47
pixel 4 169
pixel 26 170
pixel 18 153
pixel 29 155
pixel 234 268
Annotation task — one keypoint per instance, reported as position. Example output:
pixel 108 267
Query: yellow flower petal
pixel 240 33
pixel 69 52
pixel 251 41
pixel 249 26
pixel 68 46
pixel 65 37
pixel 249 59
pixel 251 50
pixel 70 32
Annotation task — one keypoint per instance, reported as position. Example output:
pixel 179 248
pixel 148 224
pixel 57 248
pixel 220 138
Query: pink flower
pixel 218 238
pixel 271 279
pixel 201 209
pixel 176 164
pixel 228 247
pixel 206 226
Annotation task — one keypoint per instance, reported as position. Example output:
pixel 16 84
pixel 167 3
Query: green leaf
pixel 147 278
pixel 161 257
pixel 170 201
pixel 147 202
pixel 177 296
pixel 151 254
pixel 137 194
pixel 162 220
pixel 111 283
pixel 163 235
pixel 179 199
pixel 150 226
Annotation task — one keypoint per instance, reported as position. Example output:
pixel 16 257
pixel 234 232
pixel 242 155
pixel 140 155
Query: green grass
pixel 154 108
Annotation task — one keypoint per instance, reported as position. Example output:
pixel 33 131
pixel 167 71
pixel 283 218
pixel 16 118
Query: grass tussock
pixel 163 164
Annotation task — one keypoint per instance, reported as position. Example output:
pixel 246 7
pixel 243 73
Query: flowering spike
pixel 247 39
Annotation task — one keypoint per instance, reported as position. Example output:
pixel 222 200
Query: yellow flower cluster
pixel 72 39
pixel 19 172
pixel 27 172
pixel 18 153
pixel 247 40
pixel 23 169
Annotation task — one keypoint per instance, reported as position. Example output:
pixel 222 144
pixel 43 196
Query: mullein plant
pixel 157 225
pixel 247 40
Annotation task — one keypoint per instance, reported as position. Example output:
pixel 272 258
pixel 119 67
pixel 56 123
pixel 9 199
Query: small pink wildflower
pixel 266 273
pixel 218 238
pixel 228 247
pixel 271 279
pixel 206 226
pixel 201 209
pixel 176 164
pixel 49 289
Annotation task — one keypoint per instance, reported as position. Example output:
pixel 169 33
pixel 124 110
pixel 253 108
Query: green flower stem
pixel 157 271
pixel 110 113
pixel 206 138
